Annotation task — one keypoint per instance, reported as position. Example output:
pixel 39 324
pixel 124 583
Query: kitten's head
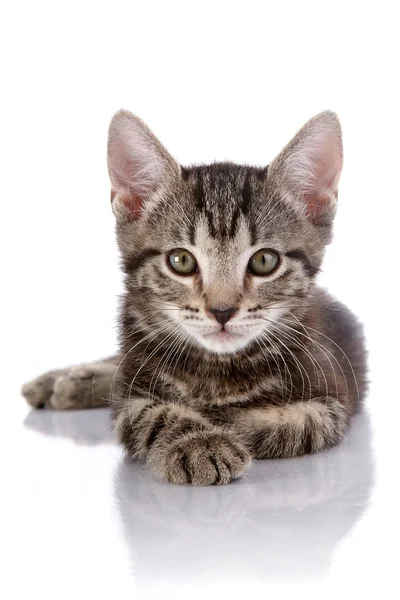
pixel 215 254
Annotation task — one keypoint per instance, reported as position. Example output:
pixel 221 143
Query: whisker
pixel 324 350
pixel 340 349
pixel 154 351
pixel 150 335
pixel 312 358
pixel 272 355
pixel 164 360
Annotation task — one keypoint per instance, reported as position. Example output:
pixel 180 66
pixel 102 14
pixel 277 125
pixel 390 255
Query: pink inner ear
pixel 322 188
pixel 132 205
pixel 316 205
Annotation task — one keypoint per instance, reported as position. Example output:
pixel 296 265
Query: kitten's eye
pixel 263 262
pixel 182 261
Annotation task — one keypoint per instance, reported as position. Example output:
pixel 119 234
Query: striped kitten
pixel 228 349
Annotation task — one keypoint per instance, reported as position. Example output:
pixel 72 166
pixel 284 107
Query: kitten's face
pixel 215 255
pixel 224 303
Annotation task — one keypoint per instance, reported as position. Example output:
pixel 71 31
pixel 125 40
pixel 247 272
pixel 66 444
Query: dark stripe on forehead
pixel 246 194
pixel 244 208
pixel 199 191
pixel 202 206
pixel 134 262
pixel 211 224
pixel 253 233
pixel 234 222
pixel 192 233
pixel 302 257
pixel 185 173
pixel 262 173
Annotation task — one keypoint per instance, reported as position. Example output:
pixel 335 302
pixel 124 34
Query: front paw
pixel 78 387
pixel 39 392
pixel 207 457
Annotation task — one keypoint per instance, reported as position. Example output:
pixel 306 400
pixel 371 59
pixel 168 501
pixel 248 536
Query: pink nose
pixel 223 316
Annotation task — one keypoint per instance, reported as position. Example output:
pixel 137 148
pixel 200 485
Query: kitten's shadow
pixel 282 522
pixel 87 427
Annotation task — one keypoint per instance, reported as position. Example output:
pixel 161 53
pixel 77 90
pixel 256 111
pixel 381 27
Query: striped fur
pixel 194 399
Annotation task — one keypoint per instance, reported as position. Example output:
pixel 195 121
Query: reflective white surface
pixel 90 521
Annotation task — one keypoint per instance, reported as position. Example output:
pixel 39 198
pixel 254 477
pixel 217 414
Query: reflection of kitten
pixel 282 521
pixel 85 427
pixel 228 349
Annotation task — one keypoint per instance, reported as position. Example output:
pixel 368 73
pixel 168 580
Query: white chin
pixel 223 342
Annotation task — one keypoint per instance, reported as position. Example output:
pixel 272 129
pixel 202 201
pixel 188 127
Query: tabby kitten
pixel 228 349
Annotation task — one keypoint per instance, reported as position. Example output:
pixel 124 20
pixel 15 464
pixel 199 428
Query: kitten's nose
pixel 223 316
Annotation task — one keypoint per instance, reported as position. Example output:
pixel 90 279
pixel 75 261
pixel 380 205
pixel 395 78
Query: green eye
pixel 182 261
pixel 263 262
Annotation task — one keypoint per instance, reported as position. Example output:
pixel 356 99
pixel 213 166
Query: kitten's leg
pixel 293 429
pixel 83 386
pixel 179 444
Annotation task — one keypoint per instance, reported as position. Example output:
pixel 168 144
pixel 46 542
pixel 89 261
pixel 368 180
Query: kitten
pixel 228 349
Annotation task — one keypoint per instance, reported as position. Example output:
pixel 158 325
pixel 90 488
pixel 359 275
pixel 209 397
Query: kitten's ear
pixel 306 173
pixel 138 165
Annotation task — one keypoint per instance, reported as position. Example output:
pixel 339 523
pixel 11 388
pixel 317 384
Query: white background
pixel 214 80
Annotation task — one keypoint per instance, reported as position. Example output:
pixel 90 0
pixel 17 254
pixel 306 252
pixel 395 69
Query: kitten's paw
pixel 74 388
pixel 209 457
pixel 39 391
